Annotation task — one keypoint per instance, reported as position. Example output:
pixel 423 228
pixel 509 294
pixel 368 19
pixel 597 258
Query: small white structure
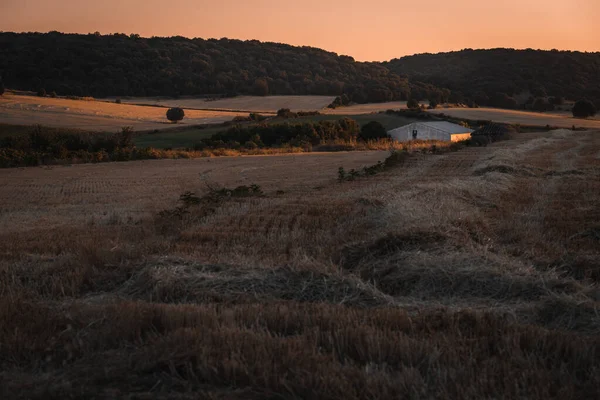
pixel 436 130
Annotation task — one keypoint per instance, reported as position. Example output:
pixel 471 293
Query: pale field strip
pixel 267 104
pixel 554 119
pixel 96 115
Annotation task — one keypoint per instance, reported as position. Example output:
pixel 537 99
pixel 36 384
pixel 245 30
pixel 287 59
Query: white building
pixel 435 130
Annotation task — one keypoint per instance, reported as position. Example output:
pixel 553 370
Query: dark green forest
pixel 129 65
pixel 494 77
pixel 122 65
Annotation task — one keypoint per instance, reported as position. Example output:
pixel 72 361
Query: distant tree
pixel 584 108
pixel 372 131
pixel 433 103
pixel 286 113
pixel 41 92
pixel 412 103
pixel 541 104
pixel 261 87
pixel 53 94
pixel 503 100
pixel 175 114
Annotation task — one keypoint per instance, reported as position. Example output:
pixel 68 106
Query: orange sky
pixel 373 30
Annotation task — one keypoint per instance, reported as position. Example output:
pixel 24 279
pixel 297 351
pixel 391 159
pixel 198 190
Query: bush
pixel 53 94
pixel 541 104
pixel 175 114
pixel 412 104
pixel 433 104
pixel 372 131
pixel 41 92
pixel 584 108
pixel 118 101
pixel 286 113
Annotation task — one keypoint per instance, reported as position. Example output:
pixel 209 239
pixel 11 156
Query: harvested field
pixel 468 275
pixel 366 108
pixel 561 120
pixel 96 115
pixel 266 104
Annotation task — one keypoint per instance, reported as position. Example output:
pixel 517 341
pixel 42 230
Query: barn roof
pixel 446 126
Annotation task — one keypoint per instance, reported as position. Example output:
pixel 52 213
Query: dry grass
pixel 453 276
pixel 96 115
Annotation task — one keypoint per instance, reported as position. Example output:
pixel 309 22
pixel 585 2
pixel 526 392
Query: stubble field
pixel 469 275
pixel 96 115
pixel 261 104
pixel 554 119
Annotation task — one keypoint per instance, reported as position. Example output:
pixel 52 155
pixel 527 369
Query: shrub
pixel 373 130
pixel 584 108
pixel 53 94
pixel 286 113
pixel 412 104
pixel 175 114
pixel 433 104
pixel 118 101
pixel 41 92
pixel 541 104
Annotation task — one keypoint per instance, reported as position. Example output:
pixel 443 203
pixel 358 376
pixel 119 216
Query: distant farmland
pixel 561 120
pixel 96 115
pixel 242 103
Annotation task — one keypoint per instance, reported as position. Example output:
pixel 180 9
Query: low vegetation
pixel 584 109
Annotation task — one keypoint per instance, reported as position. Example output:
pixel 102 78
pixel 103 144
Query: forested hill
pixel 119 65
pixel 484 74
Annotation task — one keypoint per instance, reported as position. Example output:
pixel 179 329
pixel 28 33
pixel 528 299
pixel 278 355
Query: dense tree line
pixel 497 77
pixel 295 134
pixel 120 65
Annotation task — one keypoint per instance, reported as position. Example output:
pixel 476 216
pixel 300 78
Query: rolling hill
pixel 488 76
pixel 121 65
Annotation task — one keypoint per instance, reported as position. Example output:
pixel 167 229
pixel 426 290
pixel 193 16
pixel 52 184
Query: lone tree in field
pixel 412 104
pixel 584 108
pixel 175 114
pixel 373 131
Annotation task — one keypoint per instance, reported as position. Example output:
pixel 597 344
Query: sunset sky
pixel 373 30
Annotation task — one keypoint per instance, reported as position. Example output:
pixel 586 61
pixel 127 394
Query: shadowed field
pixel 466 275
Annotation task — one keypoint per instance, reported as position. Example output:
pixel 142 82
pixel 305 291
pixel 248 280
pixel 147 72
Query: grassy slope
pixel 188 137
pixel 468 275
